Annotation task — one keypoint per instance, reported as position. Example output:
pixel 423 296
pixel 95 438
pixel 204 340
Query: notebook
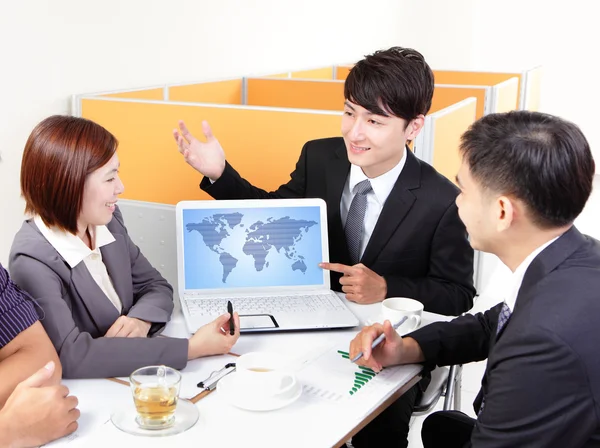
pixel 262 255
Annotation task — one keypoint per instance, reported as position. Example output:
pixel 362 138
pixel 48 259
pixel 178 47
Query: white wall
pixel 442 30
pixel 558 35
pixel 54 48
pixel 506 35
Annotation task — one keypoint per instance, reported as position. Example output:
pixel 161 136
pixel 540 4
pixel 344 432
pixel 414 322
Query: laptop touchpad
pixel 256 321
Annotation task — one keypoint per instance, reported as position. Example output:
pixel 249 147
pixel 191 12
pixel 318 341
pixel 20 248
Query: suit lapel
pixel 551 257
pixel 396 207
pixel 337 173
pixel 99 307
pixel 116 259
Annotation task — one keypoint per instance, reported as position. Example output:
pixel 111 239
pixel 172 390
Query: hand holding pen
pixel 216 337
pixel 367 348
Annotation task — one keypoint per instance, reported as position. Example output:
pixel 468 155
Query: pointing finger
pixel 337 267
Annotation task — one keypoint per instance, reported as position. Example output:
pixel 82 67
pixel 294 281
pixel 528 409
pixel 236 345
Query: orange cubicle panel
pixel 295 93
pixel 317 73
pixel 448 127
pixel 152 169
pixel 446 95
pixel 341 72
pixel 477 79
pixel 528 88
pixel 218 92
pixel 278 75
pixel 144 94
pixel 472 78
pixel 329 95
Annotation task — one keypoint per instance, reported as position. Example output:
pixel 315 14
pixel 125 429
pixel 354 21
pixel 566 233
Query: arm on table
pixel 23 356
pixel 38 412
pixel 81 355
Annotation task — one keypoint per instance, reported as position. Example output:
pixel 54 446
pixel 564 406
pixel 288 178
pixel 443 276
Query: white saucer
pixel 186 416
pixel 234 394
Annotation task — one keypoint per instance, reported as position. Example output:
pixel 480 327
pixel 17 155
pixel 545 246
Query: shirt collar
pixel 69 246
pixel 517 276
pixel 382 185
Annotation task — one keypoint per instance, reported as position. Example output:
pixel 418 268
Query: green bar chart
pixel 362 375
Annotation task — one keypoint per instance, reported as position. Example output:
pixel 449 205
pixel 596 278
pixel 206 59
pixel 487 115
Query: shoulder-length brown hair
pixel 59 155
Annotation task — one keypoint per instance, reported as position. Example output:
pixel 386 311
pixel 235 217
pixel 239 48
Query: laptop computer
pixel 262 255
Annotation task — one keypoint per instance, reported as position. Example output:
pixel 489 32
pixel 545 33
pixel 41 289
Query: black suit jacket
pixel 542 382
pixel 419 245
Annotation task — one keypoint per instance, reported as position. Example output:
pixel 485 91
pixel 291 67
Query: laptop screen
pixel 252 247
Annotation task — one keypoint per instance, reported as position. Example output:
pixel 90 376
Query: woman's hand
pixel 214 338
pixel 128 327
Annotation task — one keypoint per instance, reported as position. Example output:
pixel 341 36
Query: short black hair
pixel 542 160
pixel 397 81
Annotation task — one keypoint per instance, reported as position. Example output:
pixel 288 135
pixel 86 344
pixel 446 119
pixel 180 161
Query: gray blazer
pixel 78 314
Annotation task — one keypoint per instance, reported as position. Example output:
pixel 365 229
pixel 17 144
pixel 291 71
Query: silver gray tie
pixel 355 219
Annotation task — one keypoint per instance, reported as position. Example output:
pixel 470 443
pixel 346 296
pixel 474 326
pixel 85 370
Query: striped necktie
pixel 355 219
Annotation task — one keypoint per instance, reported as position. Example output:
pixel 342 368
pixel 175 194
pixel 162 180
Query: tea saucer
pixel 240 398
pixel 186 416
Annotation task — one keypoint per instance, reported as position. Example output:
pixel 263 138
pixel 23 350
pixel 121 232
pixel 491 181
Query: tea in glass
pixel 155 392
pixel 155 405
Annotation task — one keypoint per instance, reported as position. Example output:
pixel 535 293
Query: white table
pixel 308 422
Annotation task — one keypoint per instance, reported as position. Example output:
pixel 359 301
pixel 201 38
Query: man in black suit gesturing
pixel 524 178
pixel 393 223
pixel 412 242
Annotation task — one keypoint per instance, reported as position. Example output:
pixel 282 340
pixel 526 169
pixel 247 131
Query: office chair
pixel 445 381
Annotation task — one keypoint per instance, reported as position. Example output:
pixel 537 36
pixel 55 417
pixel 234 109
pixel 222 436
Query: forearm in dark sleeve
pixel 463 340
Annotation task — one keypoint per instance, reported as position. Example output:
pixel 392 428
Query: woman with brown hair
pixel 103 301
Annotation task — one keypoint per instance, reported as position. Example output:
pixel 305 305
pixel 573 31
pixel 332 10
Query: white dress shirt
pixel 517 277
pixel 74 251
pixel 382 187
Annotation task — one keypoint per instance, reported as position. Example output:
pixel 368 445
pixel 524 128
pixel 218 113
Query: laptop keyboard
pixel 263 305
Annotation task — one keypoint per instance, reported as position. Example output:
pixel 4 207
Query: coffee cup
pixel 155 392
pixel 395 308
pixel 265 375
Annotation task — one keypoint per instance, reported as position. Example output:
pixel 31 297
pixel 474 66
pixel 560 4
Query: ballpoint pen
pixel 230 311
pixel 380 338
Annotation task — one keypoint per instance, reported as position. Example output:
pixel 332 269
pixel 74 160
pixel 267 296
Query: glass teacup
pixel 155 392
